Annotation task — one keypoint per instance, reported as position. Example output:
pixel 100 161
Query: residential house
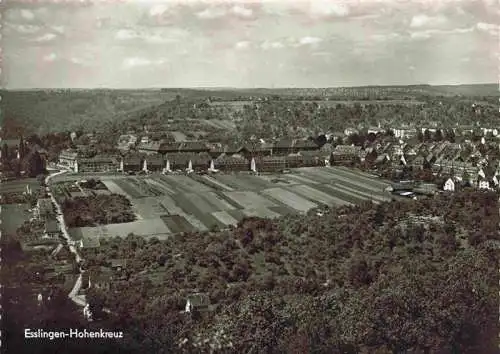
pixel 292 146
pixel 312 158
pixel 131 163
pixel 100 280
pixel 200 161
pixel 154 163
pixel 231 163
pixel 68 158
pixel 97 164
pixel 345 155
pixel 270 163
pixel 256 149
pixel 118 264
pixel 228 150
pixel 178 161
pixel 449 185
pixel 194 147
pixel 293 161
pixel 149 147
pixel 197 302
pixel 89 242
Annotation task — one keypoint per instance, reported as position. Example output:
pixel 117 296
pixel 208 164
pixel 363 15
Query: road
pixel 72 247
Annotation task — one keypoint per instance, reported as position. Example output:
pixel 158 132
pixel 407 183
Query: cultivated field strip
pixel 162 184
pixel 290 199
pixel 149 227
pixel 359 176
pixel 114 188
pixel 225 218
pixel 185 184
pixel 190 207
pixel 179 136
pixel 149 207
pixel 319 196
pixel 200 203
pixel 340 193
pixel 257 182
pixel 353 181
pixel 249 199
pixel 219 203
pixel 216 183
pixel 173 209
pixel 260 212
pixel 235 182
pixel 129 188
pixel 177 223
pixel 355 192
pixel 153 182
pixel 294 178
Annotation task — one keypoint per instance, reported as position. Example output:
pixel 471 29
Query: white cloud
pixel 27 15
pixel 309 40
pixel 488 27
pixel 46 37
pixel 385 37
pixel 242 11
pixel 50 57
pixel 419 21
pixel 271 45
pixel 211 13
pixel 134 62
pixel 433 32
pixel 59 29
pixel 25 29
pixel 158 10
pixel 152 37
pixel 322 8
pixel 242 45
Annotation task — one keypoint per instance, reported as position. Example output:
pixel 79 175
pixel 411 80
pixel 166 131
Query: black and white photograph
pixel 260 176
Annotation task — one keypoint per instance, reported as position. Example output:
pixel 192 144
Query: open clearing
pixel 187 203
pixel 13 216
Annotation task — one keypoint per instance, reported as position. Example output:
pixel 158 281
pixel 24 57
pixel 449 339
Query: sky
pixel 261 43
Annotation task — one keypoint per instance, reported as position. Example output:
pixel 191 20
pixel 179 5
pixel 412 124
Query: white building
pixel 449 185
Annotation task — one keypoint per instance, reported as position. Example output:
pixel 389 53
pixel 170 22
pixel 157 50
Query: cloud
pixel 59 29
pixel 129 63
pixel 434 32
pixel 241 11
pixel 325 8
pixel 50 57
pixel 309 40
pixel 151 37
pixel 242 45
pixel 419 21
pixel 158 10
pixel 385 37
pixel 46 37
pixel 211 13
pixel 23 28
pixel 490 28
pixel 27 14
pixel 271 45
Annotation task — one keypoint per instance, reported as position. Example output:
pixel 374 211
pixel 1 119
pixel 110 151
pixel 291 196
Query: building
pixel 194 147
pixel 97 164
pixel 149 147
pixel 293 146
pixel 131 163
pixel 154 163
pixel 100 281
pixel 449 185
pixel 230 163
pixel 178 161
pixel 198 302
pixel 270 163
pixel 89 242
pixel 345 155
pixel 68 158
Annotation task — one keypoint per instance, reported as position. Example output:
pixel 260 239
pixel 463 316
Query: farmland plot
pixel 179 136
pixel 218 201
pixel 233 181
pixel 225 218
pixel 341 193
pixel 189 207
pixel 185 184
pixel 314 194
pixel 156 180
pixel 145 188
pixel 13 216
pixel 367 195
pixel 131 190
pixel 256 182
pixel 358 176
pixel 300 179
pixel 290 199
pixel 249 199
pixel 260 212
pixel 149 227
pixel 217 184
pixel 200 203
pixel 177 223
pixel 149 207
pixel 173 209
pixel 114 188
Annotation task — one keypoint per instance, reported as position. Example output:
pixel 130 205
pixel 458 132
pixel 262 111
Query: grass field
pixel 13 216
pixel 185 203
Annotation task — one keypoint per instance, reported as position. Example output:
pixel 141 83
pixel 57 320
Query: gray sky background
pixel 316 43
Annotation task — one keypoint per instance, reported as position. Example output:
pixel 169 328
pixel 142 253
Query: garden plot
pixel 200 203
pixel 129 188
pixel 174 209
pixel 150 227
pixel 300 179
pixel 341 193
pixel 189 207
pixel 146 188
pixel 156 180
pixel 249 199
pixel 217 202
pixel 216 184
pixel 260 212
pixel 186 184
pixel 316 195
pixel 114 188
pixel 290 199
pixel 179 136
pixel 149 207
pixel 367 195
pixel 177 223
pixel 225 218
pixel 234 181
pixel 360 176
